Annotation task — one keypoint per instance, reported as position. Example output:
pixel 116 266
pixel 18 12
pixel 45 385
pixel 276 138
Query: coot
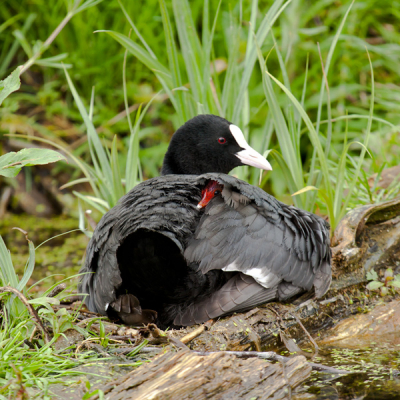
pixel 196 243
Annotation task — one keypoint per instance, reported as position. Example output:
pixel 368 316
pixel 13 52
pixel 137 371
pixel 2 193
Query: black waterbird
pixel 195 243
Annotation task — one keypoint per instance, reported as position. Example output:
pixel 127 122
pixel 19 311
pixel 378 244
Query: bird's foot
pixel 127 308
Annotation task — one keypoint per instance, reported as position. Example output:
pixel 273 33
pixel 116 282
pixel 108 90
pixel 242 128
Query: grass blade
pixel 312 135
pixel 190 48
pixel 116 173
pixel 172 53
pixel 251 54
pixel 365 144
pixel 99 155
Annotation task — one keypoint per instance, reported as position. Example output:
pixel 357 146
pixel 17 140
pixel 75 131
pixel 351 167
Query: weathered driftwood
pixel 272 356
pixel 367 237
pixel 185 375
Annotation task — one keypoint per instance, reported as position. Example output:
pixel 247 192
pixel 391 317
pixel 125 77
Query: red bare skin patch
pixel 212 189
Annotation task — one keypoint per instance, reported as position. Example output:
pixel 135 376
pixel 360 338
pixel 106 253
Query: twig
pixel 87 321
pixel 84 343
pixel 71 299
pixel 126 350
pixel 271 356
pixel 306 331
pixel 194 334
pixel 48 42
pixel 198 331
pixel 33 333
pixel 121 338
pixel 32 311
pixel 177 343
pixel 282 324
pixel 58 289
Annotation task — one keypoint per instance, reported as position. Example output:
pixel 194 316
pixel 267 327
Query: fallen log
pixel 186 375
pixel 272 356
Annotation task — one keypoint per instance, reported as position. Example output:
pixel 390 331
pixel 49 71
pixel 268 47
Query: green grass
pixel 29 364
pixel 20 365
pixel 23 368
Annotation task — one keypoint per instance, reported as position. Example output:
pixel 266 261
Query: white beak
pixel 248 156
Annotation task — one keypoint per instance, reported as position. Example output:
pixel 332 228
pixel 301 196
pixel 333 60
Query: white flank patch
pixel 263 277
pixel 231 267
pixel 256 273
pixel 260 274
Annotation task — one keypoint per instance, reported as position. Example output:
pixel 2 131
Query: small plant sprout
pixel 389 284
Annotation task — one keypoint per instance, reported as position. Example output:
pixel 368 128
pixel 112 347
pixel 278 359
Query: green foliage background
pixel 95 59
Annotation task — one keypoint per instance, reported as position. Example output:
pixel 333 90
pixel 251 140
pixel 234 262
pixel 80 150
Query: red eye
pixel 221 140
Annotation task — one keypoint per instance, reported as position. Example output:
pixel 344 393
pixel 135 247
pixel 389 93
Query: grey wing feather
pixel 261 237
pixel 241 292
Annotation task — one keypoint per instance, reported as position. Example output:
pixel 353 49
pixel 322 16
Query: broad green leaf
pixel 11 84
pixel 384 291
pixel 395 284
pixel 11 163
pixel 374 285
pixel 44 300
pixel 83 166
pixel 372 275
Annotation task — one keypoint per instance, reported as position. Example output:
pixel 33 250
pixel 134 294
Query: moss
pixel 61 255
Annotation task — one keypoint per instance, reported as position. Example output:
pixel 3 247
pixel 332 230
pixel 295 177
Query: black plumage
pixel 189 265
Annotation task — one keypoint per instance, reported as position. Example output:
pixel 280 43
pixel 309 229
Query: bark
pixel 185 375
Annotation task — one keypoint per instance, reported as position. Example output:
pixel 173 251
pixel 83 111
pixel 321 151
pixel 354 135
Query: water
pixel 375 363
